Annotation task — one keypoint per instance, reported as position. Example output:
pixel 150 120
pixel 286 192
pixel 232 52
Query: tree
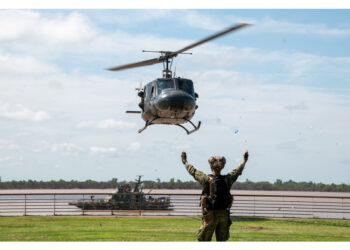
pixel 278 182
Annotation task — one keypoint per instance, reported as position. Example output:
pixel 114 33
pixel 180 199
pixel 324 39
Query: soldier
pixel 216 199
pixel 141 94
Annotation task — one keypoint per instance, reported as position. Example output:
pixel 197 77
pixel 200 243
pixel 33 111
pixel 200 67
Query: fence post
pixel 313 208
pixel 254 206
pixel 83 204
pixel 54 204
pixel 284 204
pixel 342 207
pixel 25 205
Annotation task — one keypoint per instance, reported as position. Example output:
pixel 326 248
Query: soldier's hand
pixel 246 155
pixel 184 157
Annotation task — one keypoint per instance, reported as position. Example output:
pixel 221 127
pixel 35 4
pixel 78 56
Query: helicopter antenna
pixel 166 57
pixel 139 88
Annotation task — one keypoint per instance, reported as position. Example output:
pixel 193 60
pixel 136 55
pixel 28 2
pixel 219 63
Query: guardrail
pixel 265 204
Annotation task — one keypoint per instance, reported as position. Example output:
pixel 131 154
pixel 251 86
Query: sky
pixel 279 88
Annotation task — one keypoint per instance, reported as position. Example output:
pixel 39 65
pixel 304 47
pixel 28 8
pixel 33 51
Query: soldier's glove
pixel 184 157
pixel 246 155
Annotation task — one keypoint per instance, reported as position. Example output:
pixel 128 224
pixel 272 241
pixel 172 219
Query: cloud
pixel 138 16
pixel 7 145
pixel 10 64
pixel 44 145
pixel 107 124
pixel 5 159
pixel 32 26
pixel 134 146
pixel 99 150
pixel 188 17
pixel 268 25
pixel 21 113
pixel 299 106
pixel 65 149
pixel 198 20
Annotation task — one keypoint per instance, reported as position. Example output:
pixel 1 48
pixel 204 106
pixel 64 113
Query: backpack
pixel 219 197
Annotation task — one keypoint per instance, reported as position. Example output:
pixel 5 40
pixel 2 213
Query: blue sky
pixel 283 83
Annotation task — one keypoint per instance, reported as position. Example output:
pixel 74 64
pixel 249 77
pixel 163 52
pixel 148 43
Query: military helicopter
pixel 170 100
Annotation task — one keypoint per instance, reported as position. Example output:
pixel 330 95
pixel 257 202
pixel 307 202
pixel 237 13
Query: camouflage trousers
pixel 214 220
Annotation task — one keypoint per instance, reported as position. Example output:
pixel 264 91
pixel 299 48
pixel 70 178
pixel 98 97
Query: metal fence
pixel 246 203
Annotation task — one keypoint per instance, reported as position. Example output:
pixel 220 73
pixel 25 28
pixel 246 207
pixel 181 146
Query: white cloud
pixel 7 145
pixel 32 26
pixel 107 124
pixel 269 25
pixel 189 17
pixel 134 146
pixel 122 17
pixel 21 113
pixel 65 149
pixel 97 150
pixel 5 159
pixel 198 20
pixel 10 64
pixel 193 18
pixel 181 147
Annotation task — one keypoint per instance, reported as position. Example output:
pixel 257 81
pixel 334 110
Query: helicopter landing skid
pixel 188 132
pixel 147 124
pixel 193 130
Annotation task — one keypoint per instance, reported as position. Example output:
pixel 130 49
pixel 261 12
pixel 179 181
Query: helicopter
pixel 170 100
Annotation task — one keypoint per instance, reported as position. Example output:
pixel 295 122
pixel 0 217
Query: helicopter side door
pixel 149 91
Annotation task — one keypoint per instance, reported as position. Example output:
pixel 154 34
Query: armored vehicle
pixel 124 198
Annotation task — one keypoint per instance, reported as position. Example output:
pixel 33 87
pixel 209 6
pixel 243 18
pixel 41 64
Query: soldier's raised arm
pixel 233 175
pixel 197 175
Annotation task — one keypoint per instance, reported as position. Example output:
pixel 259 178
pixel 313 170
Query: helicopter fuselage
pixel 169 101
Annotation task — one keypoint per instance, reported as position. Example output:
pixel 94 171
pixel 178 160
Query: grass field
pixel 167 229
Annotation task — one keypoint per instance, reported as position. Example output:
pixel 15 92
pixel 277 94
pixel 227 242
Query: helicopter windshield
pixel 186 85
pixel 165 84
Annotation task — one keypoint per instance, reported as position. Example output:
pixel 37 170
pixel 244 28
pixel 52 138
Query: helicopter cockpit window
pixel 186 85
pixel 165 84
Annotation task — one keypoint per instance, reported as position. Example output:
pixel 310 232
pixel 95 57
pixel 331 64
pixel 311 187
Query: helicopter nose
pixel 176 101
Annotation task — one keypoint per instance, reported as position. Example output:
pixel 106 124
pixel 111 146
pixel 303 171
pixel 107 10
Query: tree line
pixel 278 185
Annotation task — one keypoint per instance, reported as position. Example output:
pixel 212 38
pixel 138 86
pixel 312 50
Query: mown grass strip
pixel 167 229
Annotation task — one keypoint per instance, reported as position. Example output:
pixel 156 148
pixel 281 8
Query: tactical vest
pixel 219 197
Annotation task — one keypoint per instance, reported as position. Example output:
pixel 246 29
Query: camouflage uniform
pixel 214 220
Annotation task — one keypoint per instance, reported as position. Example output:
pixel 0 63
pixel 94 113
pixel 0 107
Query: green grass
pixel 167 229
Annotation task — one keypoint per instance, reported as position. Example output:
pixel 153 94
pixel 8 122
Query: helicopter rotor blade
pixel 136 64
pixel 216 35
pixel 166 55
